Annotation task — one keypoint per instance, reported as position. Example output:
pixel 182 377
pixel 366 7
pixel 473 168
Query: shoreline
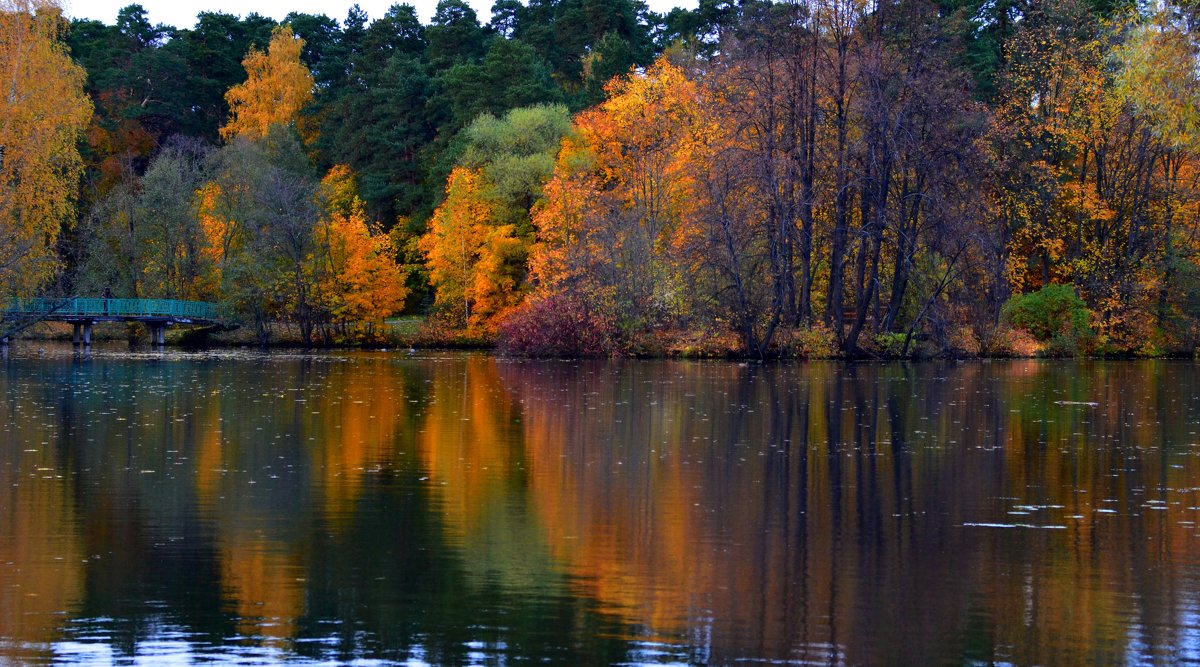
pixel 400 344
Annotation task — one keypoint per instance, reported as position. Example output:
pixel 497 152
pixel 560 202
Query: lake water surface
pixel 462 509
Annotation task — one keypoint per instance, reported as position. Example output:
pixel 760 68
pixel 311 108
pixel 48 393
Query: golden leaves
pixel 43 110
pixel 359 280
pixel 622 201
pixel 458 235
pixel 277 87
pixel 1158 78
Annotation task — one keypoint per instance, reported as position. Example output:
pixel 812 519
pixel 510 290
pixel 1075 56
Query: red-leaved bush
pixel 560 325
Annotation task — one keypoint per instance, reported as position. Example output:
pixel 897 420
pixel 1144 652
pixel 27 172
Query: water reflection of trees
pixel 804 508
pixel 41 555
pixel 565 510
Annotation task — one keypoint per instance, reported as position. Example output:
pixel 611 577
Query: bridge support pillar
pixel 87 334
pixel 76 336
pixel 158 333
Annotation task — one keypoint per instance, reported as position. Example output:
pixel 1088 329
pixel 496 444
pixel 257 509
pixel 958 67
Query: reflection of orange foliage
pixel 675 503
pixel 209 453
pixel 353 418
pixel 637 561
pixel 781 512
pixel 631 524
pixel 267 584
pixel 468 443
pixel 41 553
pixel 360 417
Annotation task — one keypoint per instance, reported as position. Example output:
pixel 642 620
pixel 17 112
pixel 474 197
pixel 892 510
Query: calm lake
pixel 444 508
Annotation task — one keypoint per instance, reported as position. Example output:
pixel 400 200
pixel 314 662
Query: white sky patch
pixel 182 13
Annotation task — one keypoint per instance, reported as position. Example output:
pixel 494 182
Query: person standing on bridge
pixel 107 295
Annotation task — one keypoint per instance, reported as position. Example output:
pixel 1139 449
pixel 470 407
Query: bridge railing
pixel 115 308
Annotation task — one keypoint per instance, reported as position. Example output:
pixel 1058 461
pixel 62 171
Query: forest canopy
pixel 570 177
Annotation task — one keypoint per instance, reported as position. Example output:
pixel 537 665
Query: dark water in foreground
pixel 455 509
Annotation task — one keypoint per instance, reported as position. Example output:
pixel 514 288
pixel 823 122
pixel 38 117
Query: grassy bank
pixel 415 331
pixel 789 343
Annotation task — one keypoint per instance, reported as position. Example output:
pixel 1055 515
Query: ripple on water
pixel 236 507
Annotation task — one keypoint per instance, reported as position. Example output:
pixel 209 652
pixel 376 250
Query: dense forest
pixel 590 177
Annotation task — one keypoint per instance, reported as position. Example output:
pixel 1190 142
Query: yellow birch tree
pixel 458 233
pixel 277 87
pixel 43 109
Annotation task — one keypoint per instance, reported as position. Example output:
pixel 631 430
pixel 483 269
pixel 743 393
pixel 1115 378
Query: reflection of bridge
pixel 156 314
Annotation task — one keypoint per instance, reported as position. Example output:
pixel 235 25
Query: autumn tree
pixel 259 211
pixel 359 283
pixel 458 232
pixel 1159 84
pixel 1089 197
pixel 626 165
pixel 500 175
pixel 568 247
pixel 277 87
pixel 735 242
pixel 1051 98
pixel 921 141
pixel 763 148
pixel 147 239
pixel 42 112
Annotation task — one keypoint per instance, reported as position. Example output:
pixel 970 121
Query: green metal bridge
pixel 157 314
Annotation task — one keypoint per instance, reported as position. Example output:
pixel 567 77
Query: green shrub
pixel 1054 315
pixel 890 344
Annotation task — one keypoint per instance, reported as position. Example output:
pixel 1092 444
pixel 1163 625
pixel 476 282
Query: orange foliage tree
pixel 277 87
pixel 501 172
pixel 219 232
pixel 43 109
pixel 622 202
pixel 359 282
pixel 458 237
pixel 1093 162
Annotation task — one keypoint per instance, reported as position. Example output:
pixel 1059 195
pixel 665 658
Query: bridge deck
pixel 87 310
